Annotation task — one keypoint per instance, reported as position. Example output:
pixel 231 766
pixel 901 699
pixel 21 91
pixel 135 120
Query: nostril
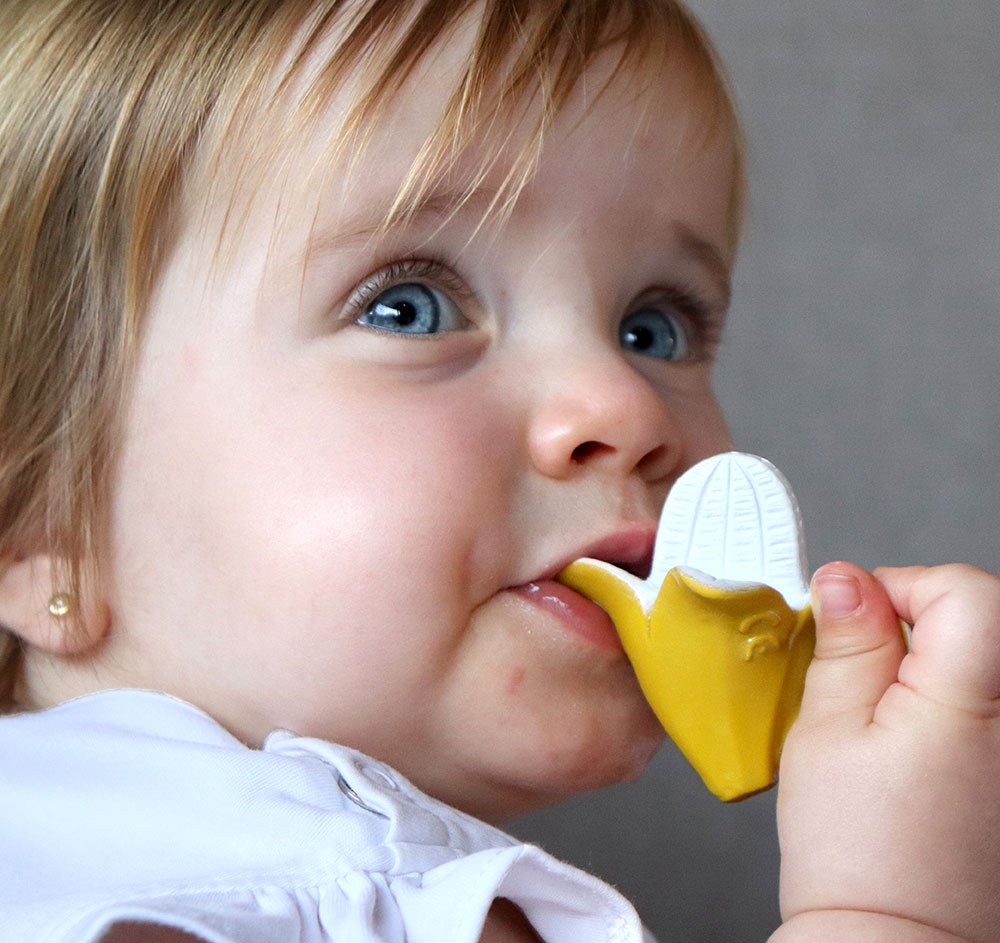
pixel 587 450
pixel 652 463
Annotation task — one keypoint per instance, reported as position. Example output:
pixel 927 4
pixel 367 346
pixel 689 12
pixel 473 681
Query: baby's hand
pixel 889 791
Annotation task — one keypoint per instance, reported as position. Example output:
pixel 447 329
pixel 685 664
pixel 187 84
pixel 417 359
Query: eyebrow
pixel 443 204
pixel 440 205
pixel 708 256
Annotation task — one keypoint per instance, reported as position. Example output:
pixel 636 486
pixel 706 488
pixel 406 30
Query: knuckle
pixel 952 577
pixel 970 594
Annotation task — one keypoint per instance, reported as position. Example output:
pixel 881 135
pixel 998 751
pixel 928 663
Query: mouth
pixel 630 550
pixel 577 616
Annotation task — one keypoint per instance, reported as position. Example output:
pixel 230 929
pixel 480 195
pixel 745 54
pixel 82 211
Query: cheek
pixel 699 417
pixel 299 486
pixel 393 500
pixel 711 432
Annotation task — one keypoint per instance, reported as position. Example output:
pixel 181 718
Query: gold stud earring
pixel 60 605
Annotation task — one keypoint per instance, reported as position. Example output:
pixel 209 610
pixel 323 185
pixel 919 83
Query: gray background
pixel 862 358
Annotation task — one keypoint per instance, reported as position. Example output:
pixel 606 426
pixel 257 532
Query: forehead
pixel 406 136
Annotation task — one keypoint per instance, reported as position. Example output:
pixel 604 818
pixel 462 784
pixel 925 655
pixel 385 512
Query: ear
pixel 28 591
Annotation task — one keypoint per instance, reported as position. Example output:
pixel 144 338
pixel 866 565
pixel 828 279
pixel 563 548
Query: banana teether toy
pixel 721 633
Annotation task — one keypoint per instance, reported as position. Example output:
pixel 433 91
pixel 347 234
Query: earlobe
pixel 46 616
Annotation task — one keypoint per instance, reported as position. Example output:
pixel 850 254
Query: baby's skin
pixel 888 810
pixel 289 443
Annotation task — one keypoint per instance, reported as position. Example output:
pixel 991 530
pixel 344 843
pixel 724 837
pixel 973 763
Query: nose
pixel 603 413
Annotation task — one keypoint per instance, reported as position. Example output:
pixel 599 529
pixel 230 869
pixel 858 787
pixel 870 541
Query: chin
pixel 597 767
pixel 533 779
pixel 552 736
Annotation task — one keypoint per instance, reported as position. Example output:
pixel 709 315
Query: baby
pixel 332 332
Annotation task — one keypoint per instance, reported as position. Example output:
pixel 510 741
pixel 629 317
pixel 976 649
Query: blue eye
pixel 412 308
pixel 654 333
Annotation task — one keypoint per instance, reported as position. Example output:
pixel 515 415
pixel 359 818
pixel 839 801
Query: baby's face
pixel 346 489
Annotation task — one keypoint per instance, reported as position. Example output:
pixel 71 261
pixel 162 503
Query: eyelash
pixel 700 316
pixel 429 270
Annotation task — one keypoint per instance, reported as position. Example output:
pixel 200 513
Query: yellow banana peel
pixel 721 658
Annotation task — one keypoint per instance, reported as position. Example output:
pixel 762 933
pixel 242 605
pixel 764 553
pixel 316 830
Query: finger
pixel 898 582
pixel 859 645
pixel 955 614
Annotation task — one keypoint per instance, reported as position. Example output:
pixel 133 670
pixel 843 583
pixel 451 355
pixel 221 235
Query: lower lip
pixel 576 613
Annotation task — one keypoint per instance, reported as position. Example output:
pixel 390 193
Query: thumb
pixel 859 644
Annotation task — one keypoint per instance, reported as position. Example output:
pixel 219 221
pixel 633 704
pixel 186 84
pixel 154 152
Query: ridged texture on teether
pixel 734 516
pixel 721 654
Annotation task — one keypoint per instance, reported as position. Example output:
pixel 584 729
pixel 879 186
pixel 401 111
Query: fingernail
pixel 838 595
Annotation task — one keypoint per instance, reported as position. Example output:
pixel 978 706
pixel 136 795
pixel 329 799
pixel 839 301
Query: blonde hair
pixel 105 105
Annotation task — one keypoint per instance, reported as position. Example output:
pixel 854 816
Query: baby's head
pixel 331 333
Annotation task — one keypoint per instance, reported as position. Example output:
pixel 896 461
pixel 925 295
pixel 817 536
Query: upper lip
pixel 629 549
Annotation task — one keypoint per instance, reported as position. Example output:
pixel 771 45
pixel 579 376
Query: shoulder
pixel 134 932
pixel 266 916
